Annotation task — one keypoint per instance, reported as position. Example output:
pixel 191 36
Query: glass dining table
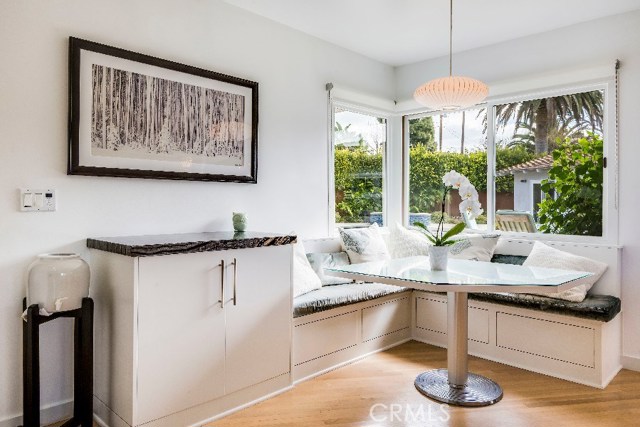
pixel 456 385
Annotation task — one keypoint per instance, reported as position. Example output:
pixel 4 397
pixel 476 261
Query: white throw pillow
pixel 545 256
pixel 304 278
pixel 364 244
pixel 404 242
pixel 474 247
pixel 321 260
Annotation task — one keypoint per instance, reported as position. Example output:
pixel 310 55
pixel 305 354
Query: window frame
pixel 366 110
pixel 406 154
pixel 609 184
pixel 610 149
pixel 531 201
pixel 532 186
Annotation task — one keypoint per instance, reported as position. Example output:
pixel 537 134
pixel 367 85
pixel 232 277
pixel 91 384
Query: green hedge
pixel 358 181
pixel 358 177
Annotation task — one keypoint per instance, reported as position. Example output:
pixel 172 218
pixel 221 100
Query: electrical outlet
pixel 37 200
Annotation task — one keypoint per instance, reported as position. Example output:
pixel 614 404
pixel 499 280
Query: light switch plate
pixel 37 200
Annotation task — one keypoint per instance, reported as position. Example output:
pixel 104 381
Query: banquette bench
pixel 579 342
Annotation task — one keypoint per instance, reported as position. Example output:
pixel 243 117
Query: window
pixel 438 143
pixel 539 164
pixel 550 163
pixel 359 145
pixel 537 196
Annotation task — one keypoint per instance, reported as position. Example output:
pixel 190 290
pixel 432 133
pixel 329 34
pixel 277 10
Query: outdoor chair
pixel 518 221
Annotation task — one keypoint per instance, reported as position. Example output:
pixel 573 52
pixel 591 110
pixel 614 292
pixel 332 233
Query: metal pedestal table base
pixel 478 391
pixel 455 385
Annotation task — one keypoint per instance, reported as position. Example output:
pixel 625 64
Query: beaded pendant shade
pixel 453 92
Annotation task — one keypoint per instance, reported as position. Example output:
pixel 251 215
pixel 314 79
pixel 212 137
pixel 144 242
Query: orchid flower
pixel 468 191
pixel 454 179
pixel 470 205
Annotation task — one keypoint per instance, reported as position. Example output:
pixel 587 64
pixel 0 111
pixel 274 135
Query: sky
pixel 359 125
pixel 373 132
pixel 474 140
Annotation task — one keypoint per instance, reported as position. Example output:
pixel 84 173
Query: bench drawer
pixel 431 314
pixel 560 341
pixel 319 338
pixel 386 318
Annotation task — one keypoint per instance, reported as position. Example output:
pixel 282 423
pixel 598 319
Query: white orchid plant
pixel 470 206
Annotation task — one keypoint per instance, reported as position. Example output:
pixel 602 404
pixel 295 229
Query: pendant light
pixel 453 92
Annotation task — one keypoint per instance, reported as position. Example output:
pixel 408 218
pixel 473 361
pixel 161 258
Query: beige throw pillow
pixel 321 260
pixel 545 256
pixel 364 244
pixel 404 242
pixel 304 278
pixel 474 247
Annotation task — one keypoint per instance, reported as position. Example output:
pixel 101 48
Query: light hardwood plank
pixel 344 397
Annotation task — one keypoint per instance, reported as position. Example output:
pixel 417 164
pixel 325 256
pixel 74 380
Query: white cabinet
pixel 188 348
pixel 181 334
pixel 258 340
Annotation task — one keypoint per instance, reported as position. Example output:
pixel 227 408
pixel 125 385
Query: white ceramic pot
pixel 438 257
pixel 58 282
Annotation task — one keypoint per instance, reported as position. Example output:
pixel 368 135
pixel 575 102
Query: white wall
pixel 291 194
pixel 523 189
pixel 291 69
pixel 586 44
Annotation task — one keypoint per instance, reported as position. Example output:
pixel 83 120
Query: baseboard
pixel 200 415
pixel 631 362
pixel 350 361
pixel 99 421
pixel 243 406
pixel 610 378
pixel 49 414
pixel 102 423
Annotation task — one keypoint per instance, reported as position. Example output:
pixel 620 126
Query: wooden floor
pixel 384 382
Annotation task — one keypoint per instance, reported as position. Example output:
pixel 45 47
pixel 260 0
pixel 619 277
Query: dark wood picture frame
pixel 229 105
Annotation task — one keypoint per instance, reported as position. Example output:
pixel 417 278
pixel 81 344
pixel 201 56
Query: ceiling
pixel 399 32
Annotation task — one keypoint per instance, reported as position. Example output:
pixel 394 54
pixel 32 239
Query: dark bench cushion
pixel 509 259
pixel 596 307
pixel 329 297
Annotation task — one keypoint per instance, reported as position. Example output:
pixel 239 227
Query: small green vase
pixel 239 221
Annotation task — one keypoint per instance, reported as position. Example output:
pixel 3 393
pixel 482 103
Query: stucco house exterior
pixel 527 177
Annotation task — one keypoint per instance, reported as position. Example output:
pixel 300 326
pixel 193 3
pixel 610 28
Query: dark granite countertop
pixel 165 244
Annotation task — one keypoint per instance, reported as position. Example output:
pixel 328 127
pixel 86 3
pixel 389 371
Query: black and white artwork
pixel 134 115
pixel 137 116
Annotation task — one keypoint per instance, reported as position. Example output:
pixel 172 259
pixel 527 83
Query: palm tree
pixel 549 118
pixel 347 138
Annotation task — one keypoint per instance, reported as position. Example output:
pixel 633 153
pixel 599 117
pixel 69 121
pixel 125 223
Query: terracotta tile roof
pixel 540 163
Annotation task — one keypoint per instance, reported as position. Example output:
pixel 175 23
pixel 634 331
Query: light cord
pixel 450 38
pixel 617 131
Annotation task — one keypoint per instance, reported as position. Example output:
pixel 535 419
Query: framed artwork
pixel 134 115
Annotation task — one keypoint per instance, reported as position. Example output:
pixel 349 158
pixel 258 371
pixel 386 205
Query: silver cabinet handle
pixel 235 281
pixel 221 284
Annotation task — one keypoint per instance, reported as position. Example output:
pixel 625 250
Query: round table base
pixel 479 391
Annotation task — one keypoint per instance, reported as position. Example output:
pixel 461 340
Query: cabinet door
pixel 180 333
pixel 259 324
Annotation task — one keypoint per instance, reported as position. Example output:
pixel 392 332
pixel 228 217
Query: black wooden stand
pixel 82 364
